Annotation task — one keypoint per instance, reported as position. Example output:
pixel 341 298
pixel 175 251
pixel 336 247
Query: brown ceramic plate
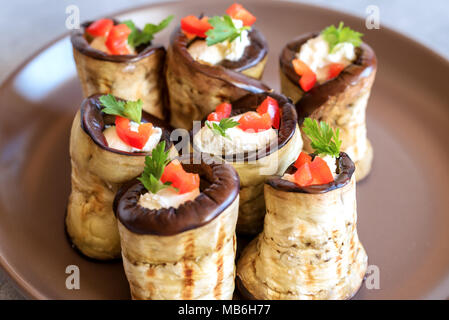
pixel 403 204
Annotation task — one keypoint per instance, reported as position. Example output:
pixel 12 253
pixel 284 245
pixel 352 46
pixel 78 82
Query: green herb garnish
pixel 324 139
pixel 222 126
pixel 334 36
pixel 137 38
pixel 127 109
pixel 223 28
pixel 154 168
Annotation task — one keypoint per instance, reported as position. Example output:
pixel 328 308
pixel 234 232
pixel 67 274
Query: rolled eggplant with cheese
pixel 329 76
pixel 213 60
pixel 259 136
pixel 309 247
pixel 106 150
pixel 177 229
pixel 120 59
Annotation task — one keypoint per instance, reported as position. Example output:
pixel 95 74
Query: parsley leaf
pixel 223 28
pixel 154 168
pixel 222 126
pixel 334 36
pixel 324 139
pixel 137 38
pixel 127 109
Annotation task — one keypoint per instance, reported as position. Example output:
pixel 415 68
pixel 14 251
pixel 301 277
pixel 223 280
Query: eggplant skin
pixel 131 79
pixel 195 89
pixel 97 174
pixel 195 264
pixel 309 248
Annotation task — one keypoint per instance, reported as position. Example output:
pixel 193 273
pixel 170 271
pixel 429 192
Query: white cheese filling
pixel 99 43
pixel 114 141
pixel 239 141
pixel 166 198
pixel 315 53
pixel 225 50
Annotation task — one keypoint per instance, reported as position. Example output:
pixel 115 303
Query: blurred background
pixel 27 25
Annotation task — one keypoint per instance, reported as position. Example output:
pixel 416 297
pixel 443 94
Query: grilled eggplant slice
pixel 195 89
pixel 341 102
pixel 255 168
pixel 98 171
pixel 309 248
pixel 184 253
pixel 131 77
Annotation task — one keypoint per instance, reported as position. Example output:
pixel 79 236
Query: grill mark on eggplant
pixel 189 248
pixel 219 262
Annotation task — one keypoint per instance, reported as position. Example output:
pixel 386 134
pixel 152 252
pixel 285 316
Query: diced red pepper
pixel 193 25
pixel 307 81
pixel 314 172
pixel 270 106
pixel 132 138
pixel 320 171
pixel 303 158
pixel 334 70
pixel 254 122
pixel 100 28
pixel 214 116
pixel 303 176
pixel 308 77
pixel 300 67
pixel 237 11
pixel 117 39
pixel 180 179
pixel 225 109
pixel 189 36
pixel 173 169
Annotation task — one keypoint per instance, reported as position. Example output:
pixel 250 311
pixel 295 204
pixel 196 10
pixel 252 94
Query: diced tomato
pixel 308 77
pixel 237 11
pixel 307 81
pixel 193 25
pixel 303 158
pixel 303 176
pixel 117 39
pixel 180 179
pixel 252 121
pixel 100 28
pixel 334 70
pixel 270 106
pixel 132 138
pixel 320 171
pixel 224 108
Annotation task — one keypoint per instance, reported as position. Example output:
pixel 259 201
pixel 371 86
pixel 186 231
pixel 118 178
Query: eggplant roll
pixel 187 252
pixel 195 89
pixel 131 77
pixel 341 102
pixel 98 171
pixel 309 248
pixel 254 168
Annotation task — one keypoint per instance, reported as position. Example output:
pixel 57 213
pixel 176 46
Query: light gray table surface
pixel 27 25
